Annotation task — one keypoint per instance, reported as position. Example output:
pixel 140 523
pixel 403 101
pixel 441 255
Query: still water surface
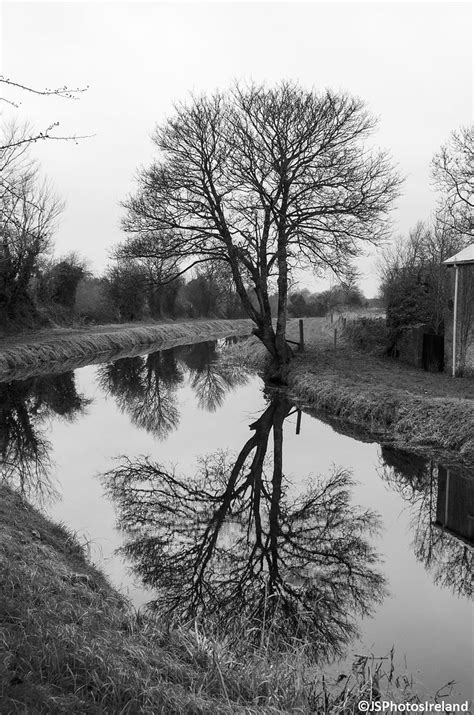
pixel 228 496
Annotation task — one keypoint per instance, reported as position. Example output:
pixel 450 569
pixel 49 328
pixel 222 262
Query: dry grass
pixel 372 370
pixel 70 644
pixel 65 349
pixel 394 414
pixel 397 403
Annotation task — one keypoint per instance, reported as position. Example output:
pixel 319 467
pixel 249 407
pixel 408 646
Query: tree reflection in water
pixel 211 378
pixel 26 406
pixel 233 545
pixel 441 499
pixel 146 387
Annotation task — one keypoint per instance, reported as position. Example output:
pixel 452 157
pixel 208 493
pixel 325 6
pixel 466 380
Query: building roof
pixel 464 256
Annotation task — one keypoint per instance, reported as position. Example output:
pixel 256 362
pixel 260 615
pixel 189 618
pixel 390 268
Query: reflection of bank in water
pixel 144 387
pixel 442 504
pixel 26 406
pixel 455 503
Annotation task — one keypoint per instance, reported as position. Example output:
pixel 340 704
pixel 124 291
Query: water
pixel 200 535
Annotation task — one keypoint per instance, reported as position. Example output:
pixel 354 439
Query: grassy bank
pixel 65 349
pixel 71 644
pixel 395 403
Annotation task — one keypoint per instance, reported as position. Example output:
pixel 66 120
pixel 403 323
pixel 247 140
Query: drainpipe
pixel 446 499
pixel 455 318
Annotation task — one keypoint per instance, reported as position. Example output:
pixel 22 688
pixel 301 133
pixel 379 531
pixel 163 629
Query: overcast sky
pixel 410 62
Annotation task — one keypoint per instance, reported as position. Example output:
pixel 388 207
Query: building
pixel 459 316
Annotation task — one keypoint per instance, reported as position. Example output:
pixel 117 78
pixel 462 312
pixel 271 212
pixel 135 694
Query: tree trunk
pixel 284 353
pixel 278 371
pixel 279 350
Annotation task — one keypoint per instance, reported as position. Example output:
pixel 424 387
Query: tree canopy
pixel 266 180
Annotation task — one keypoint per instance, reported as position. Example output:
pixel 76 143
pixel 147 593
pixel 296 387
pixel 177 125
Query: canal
pixel 203 494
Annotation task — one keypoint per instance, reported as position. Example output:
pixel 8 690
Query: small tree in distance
pixel 265 180
pixel 126 290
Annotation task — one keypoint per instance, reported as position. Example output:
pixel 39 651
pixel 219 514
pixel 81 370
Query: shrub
pixel 93 302
pixel 367 334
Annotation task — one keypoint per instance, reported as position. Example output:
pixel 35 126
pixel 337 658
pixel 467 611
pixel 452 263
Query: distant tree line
pixel 303 303
pixel 38 289
pixel 64 290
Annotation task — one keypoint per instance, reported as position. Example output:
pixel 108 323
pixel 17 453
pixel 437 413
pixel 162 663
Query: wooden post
pixel 335 338
pixel 455 317
pixel 301 336
pixel 298 422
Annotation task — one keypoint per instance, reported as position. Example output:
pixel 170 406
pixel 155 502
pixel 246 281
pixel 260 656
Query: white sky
pixel 411 63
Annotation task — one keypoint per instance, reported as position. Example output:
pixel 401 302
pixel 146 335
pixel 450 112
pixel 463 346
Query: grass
pixel 69 643
pixel 398 404
pixel 65 349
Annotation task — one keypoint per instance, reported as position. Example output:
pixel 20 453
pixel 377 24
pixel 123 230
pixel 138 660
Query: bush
pixel 367 334
pixel 93 302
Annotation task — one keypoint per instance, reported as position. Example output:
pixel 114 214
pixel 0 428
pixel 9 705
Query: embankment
pixel 71 644
pixel 60 350
pixel 419 422
pixel 389 402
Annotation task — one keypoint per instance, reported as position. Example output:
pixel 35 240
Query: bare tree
pixel 415 284
pixel 28 208
pixel 16 141
pixel 28 213
pixel 29 134
pixel 453 173
pixel 266 180
pixel 159 269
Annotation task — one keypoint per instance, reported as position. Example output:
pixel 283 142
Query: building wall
pixel 455 502
pixel 464 323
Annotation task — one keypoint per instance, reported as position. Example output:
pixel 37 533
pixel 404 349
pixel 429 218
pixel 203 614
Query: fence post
pixel 301 336
pixel 298 422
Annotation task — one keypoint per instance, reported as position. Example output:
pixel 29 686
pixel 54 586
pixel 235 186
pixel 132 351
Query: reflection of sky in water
pixel 425 622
